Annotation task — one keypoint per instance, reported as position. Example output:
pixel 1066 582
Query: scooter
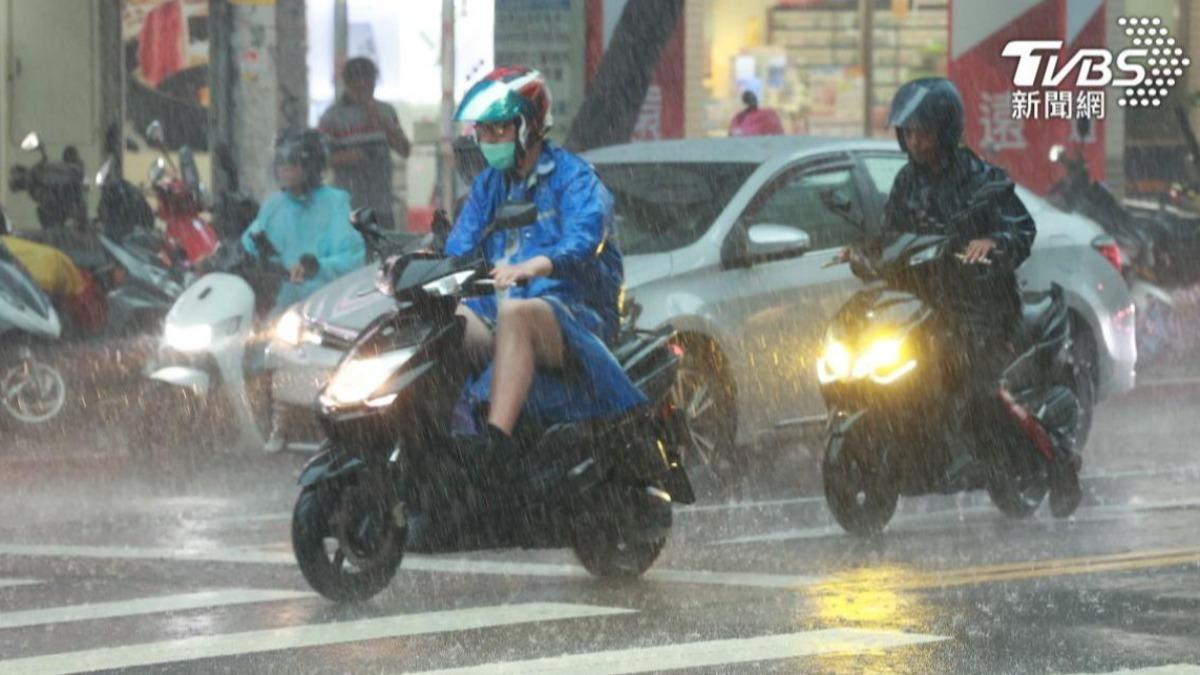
pixel 894 399
pixel 180 199
pixel 32 391
pixel 58 188
pixel 1134 245
pixel 390 480
pixel 204 359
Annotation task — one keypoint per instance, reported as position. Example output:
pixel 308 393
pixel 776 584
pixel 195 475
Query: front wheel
pixel 609 554
pixel 346 542
pixel 861 500
pixel 32 391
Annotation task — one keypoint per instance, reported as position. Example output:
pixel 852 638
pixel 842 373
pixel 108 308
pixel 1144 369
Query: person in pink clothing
pixel 755 121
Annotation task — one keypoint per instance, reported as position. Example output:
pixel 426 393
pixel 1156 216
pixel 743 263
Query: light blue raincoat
pixel 573 230
pixel 318 223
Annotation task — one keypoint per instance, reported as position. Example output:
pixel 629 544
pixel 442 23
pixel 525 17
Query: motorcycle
pixel 32 391
pixel 58 188
pixel 180 200
pixel 389 479
pixel 894 401
pixel 1135 246
pixel 203 356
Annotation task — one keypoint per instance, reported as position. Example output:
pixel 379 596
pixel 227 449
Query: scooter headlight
pixel 290 328
pixel 194 338
pixel 835 362
pixel 884 360
pixel 357 379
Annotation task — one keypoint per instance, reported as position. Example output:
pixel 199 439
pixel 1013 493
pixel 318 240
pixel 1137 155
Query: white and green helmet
pixel 508 93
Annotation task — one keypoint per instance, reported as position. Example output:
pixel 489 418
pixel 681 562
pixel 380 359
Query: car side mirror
pixel 772 242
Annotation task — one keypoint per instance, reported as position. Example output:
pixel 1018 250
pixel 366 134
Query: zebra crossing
pixel 387 633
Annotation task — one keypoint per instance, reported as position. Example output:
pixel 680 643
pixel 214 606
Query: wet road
pixel 194 574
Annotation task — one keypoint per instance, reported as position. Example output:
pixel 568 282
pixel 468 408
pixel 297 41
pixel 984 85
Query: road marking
pixel 412 563
pixel 701 654
pixel 1174 669
pixel 297 637
pixel 166 603
pixel 8 583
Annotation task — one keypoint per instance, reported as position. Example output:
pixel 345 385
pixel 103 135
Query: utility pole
pixel 866 57
pixel 341 42
pixel 445 147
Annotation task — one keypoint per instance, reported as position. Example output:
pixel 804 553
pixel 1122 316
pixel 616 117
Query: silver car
pixel 728 240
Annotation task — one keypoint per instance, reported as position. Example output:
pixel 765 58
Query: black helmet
pixel 931 103
pixel 304 148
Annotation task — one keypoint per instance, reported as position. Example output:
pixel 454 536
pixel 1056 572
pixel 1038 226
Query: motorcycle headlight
pixel 884 360
pixel 290 328
pixel 834 363
pixel 357 379
pixel 195 338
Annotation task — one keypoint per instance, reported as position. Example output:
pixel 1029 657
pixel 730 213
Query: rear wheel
pixel 1019 493
pixel 606 552
pixel 346 542
pixel 860 499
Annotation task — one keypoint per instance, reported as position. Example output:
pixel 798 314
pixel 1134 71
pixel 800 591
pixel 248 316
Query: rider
pixel 558 280
pixel 943 178
pixel 306 221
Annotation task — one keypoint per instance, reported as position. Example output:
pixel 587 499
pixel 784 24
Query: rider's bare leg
pixel 478 339
pixel 527 336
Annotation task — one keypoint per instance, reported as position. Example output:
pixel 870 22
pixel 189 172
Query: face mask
pixel 500 155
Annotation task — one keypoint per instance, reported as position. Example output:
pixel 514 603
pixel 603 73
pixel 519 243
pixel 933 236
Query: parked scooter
pixel 206 357
pixel 895 402
pixel 58 188
pixel 180 199
pixel 389 480
pixel 32 391
pixel 1133 245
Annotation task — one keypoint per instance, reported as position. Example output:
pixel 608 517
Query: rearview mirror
pixel 363 218
pixel 154 134
pixel 512 215
pixel 103 173
pixel 31 142
pixel 1057 152
pixel 769 241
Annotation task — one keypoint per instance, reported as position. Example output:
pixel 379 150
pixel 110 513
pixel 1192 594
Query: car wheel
pixel 705 398
pixel 1085 370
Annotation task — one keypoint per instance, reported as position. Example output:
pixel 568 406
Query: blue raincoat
pixel 573 230
pixel 318 223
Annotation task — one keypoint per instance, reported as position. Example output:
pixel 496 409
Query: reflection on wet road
pixel 101 569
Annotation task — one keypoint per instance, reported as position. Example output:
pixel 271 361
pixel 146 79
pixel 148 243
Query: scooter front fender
pixel 327 466
pixel 840 425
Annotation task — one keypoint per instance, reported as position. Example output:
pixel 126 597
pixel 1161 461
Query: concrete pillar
pixel 259 84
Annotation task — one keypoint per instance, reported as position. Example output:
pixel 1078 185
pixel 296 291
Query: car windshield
pixel 663 206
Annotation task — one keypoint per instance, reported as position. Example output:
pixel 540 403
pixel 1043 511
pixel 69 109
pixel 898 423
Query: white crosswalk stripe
pixel 1173 669
pixel 9 583
pixel 295 637
pixel 122 608
pixel 700 654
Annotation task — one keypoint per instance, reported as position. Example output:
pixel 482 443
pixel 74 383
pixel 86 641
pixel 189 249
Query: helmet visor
pixel 905 115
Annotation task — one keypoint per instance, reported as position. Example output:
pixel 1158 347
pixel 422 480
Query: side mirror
pixel 31 142
pixel 363 219
pixel 769 242
pixel 1057 152
pixel 155 135
pixel 158 170
pixel 106 169
pixel 512 215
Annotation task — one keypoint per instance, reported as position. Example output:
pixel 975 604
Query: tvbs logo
pixel 1147 70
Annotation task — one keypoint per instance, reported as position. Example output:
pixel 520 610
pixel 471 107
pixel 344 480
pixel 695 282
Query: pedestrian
pixel 755 121
pixel 363 132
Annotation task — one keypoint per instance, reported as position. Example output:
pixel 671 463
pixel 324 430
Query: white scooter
pixel 204 354
pixel 32 392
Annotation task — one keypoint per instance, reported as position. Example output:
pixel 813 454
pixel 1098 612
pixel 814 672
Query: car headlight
pixel 357 379
pixel 195 338
pixel 290 328
pixel 884 360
